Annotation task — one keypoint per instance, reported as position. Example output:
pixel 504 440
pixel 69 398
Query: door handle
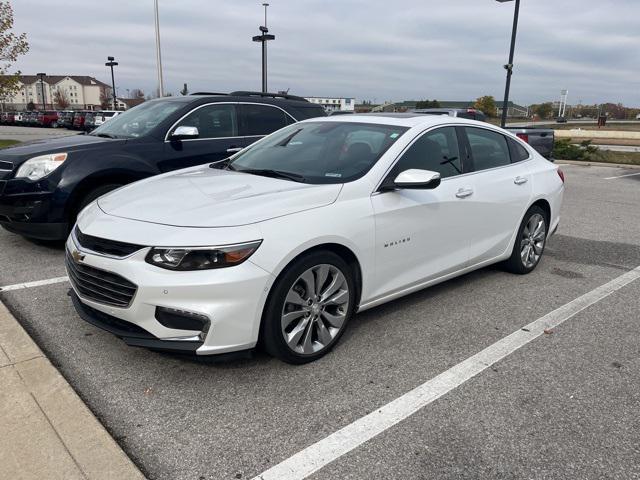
pixel 464 192
pixel 519 180
pixel 233 149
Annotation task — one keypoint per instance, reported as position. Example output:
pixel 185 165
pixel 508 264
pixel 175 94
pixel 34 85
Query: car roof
pixel 398 119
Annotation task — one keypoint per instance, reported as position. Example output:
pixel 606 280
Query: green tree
pixel 428 104
pixel 11 47
pixel 544 110
pixel 486 105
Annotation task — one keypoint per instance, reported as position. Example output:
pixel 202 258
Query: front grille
pixel 99 285
pixel 105 246
pixel 6 166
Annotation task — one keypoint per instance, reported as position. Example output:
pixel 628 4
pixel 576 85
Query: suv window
pixel 212 121
pixel 518 152
pixel 436 151
pixel 489 149
pixel 262 119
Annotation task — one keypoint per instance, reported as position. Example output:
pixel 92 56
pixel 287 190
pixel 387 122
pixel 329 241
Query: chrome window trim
pixel 166 137
pixel 435 127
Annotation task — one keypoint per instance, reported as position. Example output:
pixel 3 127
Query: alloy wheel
pixel 315 309
pixel 532 241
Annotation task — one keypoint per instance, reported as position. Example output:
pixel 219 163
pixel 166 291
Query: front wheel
pixel 530 242
pixel 309 308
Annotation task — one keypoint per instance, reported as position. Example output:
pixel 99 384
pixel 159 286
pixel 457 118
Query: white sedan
pixel 281 244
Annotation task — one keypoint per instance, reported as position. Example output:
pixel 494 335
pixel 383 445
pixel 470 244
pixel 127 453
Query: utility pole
pixel 264 38
pixel 44 98
pixel 111 63
pixel 509 66
pixel 158 55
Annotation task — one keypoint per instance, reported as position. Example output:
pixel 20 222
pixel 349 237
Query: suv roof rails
pixel 242 93
pixel 207 93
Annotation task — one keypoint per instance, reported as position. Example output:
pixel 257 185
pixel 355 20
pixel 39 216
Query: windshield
pixel 320 152
pixel 139 120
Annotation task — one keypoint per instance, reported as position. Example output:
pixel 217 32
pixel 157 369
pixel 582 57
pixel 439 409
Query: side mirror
pixel 185 132
pixel 414 179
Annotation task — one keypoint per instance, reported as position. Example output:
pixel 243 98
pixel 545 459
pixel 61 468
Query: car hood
pixel 206 197
pixel 68 143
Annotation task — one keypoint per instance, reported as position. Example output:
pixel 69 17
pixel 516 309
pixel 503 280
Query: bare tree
pixel 11 47
pixel 137 93
pixel 60 98
pixel 106 100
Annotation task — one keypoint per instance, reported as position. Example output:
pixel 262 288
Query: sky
pixel 374 50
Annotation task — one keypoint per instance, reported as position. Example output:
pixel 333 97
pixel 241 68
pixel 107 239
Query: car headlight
pixel 201 258
pixel 38 167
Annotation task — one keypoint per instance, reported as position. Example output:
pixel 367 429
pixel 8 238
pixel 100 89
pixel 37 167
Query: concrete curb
pixel 596 164
pixel 46 430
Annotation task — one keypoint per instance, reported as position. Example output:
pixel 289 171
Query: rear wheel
pixel 309 308
pixel 530 242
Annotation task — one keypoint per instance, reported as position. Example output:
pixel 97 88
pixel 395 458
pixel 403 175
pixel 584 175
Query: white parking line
pixel 38 283
pixel 316 456
pixel 622 176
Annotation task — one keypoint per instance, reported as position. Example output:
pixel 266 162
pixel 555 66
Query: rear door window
pixel 518 152
pixel 258 120
pixel 489 149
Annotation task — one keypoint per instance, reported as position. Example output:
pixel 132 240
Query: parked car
pixel 65 118
pixel 103 116
pixel 540 138
pixel 11 118
pixel 3 117
pixel 89 121
pixel 18 118
pixel 32 120
pixel 470 113
pixel 561 120
pixel 286 240
pixel 47 183
pixel 48 118
pixel 78 119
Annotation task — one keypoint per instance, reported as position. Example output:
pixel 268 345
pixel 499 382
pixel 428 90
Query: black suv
pixel 470 113
pixel 44 184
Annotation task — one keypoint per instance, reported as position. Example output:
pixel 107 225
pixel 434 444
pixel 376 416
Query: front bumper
pixel 232 299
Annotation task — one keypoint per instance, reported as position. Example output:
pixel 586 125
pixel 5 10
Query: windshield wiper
pixel 102 135
pixel 266 172
pixel 222 164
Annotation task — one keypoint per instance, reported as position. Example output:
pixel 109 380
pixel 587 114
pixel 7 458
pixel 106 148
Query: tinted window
pixel 436 151
pixel 320 152
pixel 263 119
pixel 489 149
pixel 212 121
pixel 518 152
pixel 139 120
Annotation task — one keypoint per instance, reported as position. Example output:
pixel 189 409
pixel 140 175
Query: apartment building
pixel 82 92
pixel 331 104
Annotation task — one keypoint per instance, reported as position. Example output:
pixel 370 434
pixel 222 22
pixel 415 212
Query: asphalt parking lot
pixel 25 134
pixel 564 405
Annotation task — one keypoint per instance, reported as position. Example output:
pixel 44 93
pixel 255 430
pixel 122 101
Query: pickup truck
pixel 541 139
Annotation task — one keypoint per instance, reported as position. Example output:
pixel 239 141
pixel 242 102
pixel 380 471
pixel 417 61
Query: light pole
pixel 112 64
pixel 158 56
pixel 509 66
pixel 264 38
pixel 44 98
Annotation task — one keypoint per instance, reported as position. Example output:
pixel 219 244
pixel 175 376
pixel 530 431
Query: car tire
pixel 89 197
pixel 530 242
pixel 318 293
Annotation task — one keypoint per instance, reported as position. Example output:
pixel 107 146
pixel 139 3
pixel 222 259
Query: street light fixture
pixel 112 64
pixel 44 98
pixel 264 38
pixel 509 66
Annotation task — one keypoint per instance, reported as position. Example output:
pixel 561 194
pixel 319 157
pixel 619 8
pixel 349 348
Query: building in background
pixel 127 103
pixel 81 91
pixel 331 104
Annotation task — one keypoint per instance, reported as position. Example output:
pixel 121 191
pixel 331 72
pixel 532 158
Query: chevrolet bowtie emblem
pixel 77 256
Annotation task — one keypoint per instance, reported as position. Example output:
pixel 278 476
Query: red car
pixel 48 118
pixel 78 120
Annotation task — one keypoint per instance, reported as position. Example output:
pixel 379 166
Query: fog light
pixel 182 320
